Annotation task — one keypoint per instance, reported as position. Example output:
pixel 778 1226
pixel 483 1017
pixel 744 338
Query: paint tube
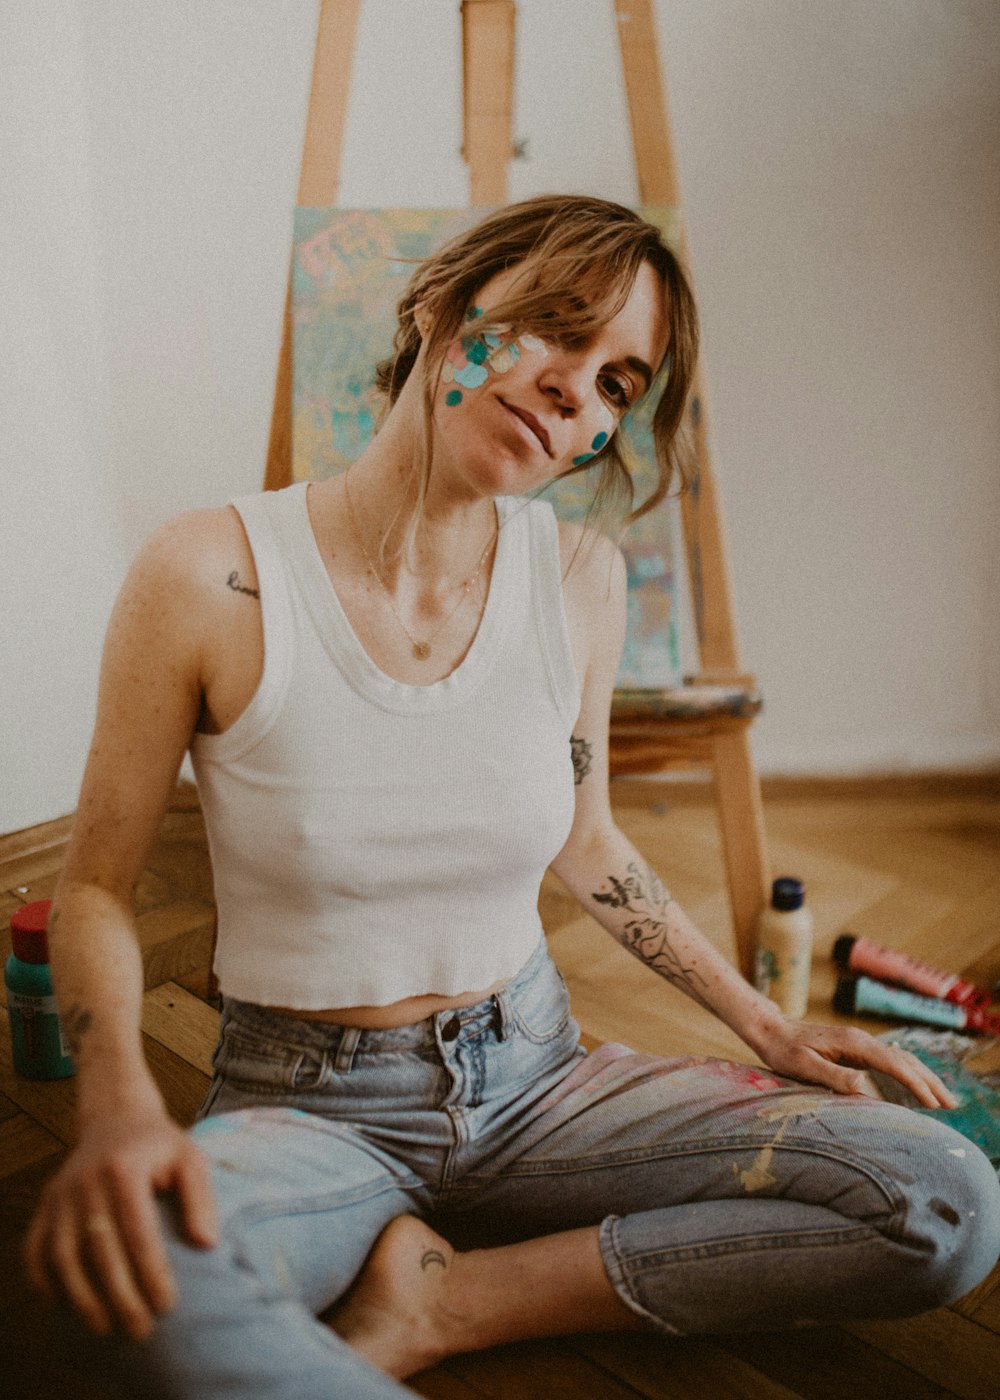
pixel 862 994
pixel 859 954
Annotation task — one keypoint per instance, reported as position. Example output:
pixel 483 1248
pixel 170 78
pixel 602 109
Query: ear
pixel 423 318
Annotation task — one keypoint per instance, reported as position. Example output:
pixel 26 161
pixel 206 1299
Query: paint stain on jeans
pixel 945 1211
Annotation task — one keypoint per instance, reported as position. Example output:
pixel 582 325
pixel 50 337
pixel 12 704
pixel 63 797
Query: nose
pixel 563 380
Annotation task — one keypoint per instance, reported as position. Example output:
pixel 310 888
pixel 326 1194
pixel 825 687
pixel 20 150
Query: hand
pixel 822 1054
pixel 96 1237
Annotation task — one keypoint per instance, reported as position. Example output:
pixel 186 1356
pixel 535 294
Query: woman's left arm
pixel 614 883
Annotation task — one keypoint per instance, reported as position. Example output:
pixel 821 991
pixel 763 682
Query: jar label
pixel 37 1034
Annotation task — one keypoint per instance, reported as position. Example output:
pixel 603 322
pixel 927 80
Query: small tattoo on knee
pixel 433 1256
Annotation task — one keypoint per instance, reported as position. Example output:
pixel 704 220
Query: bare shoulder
pixel 190 592
pixel 193 550
pixel 593 567
pixel 594 593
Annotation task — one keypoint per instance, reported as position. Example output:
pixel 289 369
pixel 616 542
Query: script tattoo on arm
pixel 583 753
pixel 645 932
pixel 233 582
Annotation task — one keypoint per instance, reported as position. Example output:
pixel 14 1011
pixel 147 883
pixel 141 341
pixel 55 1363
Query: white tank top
pixel 373 840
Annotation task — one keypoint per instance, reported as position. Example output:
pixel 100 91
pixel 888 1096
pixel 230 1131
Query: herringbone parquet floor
pixel 913 864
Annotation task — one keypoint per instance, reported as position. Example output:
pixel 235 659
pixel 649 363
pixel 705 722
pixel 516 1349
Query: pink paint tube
pixel 862 995
pixel 863 955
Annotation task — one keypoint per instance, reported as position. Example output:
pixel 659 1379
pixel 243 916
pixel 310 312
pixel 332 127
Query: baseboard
pixel 935 785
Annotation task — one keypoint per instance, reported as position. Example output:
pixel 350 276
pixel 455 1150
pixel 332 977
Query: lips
pixel 532 422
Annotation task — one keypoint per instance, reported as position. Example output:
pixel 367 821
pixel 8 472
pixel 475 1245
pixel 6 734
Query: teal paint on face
pixel 453 397
pixel 476 350
pixel 596 445
pixel 471 376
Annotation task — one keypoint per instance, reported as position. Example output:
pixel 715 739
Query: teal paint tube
pixel 865 996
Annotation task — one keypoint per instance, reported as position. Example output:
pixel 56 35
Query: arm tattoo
pixel 233 582
pixel 582 753
pixel 76 1022
pixel 433 1256
pixel 645 932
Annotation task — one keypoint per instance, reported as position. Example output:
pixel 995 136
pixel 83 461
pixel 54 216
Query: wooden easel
pixel 639 744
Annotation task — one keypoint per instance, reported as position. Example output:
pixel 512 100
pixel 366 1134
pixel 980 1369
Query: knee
pixel 959 1226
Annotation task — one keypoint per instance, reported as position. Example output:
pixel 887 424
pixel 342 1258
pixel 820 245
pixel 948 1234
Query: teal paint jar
pixel 39 1048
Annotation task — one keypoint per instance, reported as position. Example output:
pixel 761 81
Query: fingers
pixel 829 1047
pixel 35 1259
pixel 194 1186
pixel 66 1253
pixel 135 1268
pixel 122 1294
pixel 840 1078
pixel 926 1087
pixel 77 1251
pixel 97 1243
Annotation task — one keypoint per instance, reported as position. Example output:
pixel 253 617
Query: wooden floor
pixel 912 864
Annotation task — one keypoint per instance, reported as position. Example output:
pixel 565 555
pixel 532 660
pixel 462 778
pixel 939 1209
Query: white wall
pixel 838 161
pixel 840 167
pixel 62 549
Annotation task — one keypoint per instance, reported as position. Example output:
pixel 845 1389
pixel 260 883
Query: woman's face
pixel 512 411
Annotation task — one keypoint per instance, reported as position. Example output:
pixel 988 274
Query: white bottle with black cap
pixel 784 947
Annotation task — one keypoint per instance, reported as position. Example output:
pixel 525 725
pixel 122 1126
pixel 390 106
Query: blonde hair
pixel 578 258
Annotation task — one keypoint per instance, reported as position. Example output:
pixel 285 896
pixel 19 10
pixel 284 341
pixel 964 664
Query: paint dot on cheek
pixel 453 397
pixel 596 446
pixel 477 351
pixel 471 376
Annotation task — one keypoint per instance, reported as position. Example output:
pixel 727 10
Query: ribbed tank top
pixel 373 840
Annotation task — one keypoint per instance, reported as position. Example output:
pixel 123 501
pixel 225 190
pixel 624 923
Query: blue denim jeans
pixel 726 1199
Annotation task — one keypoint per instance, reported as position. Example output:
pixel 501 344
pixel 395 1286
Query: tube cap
pixel 842 948
pixel 843 997
pixel 28 931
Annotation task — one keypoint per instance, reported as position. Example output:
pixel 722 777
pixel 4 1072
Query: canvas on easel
pixel 656 725
pixel 349 270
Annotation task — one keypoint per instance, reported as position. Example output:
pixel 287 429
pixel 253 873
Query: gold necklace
pixel 421 647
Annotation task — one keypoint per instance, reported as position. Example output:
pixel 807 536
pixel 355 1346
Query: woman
pixel 395 686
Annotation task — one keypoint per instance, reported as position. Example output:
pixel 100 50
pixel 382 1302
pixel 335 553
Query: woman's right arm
pixel 96 1240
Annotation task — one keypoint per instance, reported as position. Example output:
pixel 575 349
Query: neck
pixel 436 539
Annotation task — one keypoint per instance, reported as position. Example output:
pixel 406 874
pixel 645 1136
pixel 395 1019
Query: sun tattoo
pixel 582 753
pixel 646 931
pixel 76 1022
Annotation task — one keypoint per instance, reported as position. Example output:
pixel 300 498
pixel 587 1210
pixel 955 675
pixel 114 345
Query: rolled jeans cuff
pixel 617 1271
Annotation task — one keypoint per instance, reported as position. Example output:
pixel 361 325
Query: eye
pixel 616 389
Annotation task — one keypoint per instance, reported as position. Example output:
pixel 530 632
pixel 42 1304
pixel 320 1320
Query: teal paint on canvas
pixel 350 268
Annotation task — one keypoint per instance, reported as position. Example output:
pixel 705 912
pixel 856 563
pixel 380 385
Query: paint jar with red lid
pixel 39 1047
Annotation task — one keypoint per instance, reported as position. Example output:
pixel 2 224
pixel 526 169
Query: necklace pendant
pixel 421 650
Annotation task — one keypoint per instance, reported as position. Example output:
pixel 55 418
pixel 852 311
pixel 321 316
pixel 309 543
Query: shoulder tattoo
pixel 582 753
pixel 233 582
